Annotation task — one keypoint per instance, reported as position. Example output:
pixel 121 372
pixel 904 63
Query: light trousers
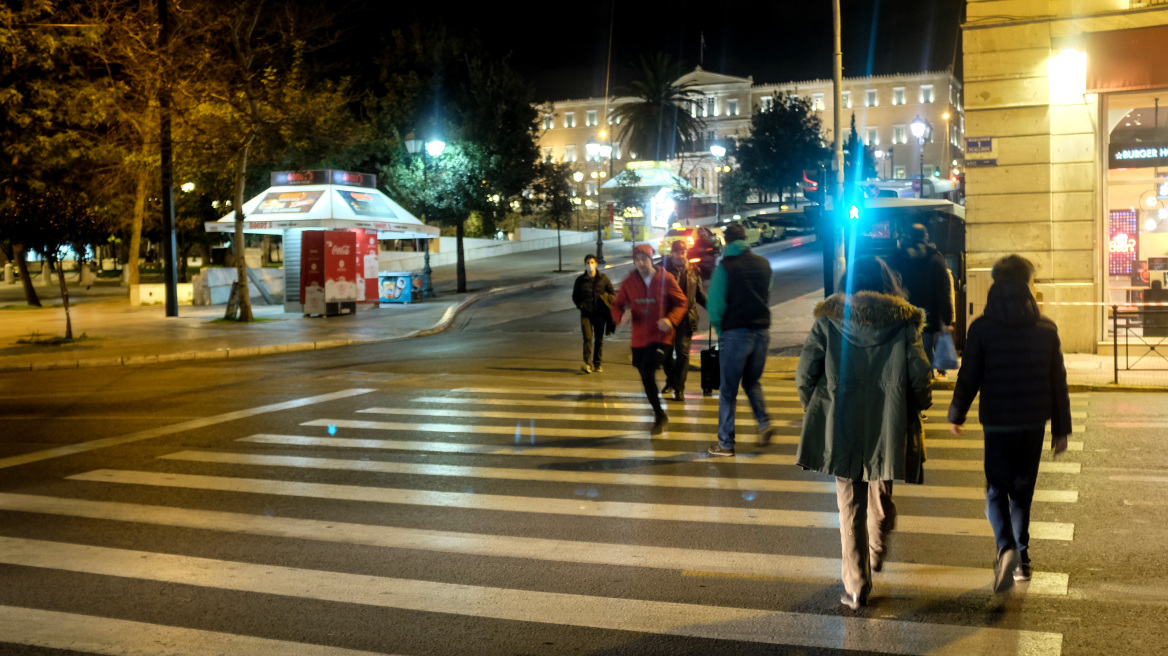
pixel 866 516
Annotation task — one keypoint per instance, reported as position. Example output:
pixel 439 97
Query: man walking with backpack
pixel 690 280
pixel 739 309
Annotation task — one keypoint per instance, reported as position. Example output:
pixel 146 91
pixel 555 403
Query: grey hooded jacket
pixel 863 380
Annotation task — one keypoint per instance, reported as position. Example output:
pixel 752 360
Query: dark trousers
pixel 593 327
pixel 647 360
pixel 677 359
pixel 1011 469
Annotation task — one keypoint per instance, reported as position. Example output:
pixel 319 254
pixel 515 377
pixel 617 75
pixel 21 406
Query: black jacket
pixel 690 281
pixel 926 278
pixel 748 285
pixel 1013 357
pixel 593 294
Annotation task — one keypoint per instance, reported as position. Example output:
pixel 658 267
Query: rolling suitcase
pixel 711 374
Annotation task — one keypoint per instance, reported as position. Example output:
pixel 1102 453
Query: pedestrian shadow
pixel 612 464
pixel 548 370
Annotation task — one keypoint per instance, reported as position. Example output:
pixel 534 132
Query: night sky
pixel 561 46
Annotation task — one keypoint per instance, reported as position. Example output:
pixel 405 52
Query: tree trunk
pixel 460 267
pixel 136 226
pixel 49 261
pixel 182 262
pixel 266 251
pixel 30 295
pixel 240 248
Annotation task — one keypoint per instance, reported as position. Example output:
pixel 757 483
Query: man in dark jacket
pixel 592 295
pixel 690 280
pixel 739 308
pixel 1013 358
pixel 925 277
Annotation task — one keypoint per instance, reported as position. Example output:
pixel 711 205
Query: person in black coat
pixel 592 295
pixel 690 281
pixel 925 277
pixel 1013 358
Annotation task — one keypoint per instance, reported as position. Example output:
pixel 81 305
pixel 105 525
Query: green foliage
pixel 783 142
pixel 627 193
pixel 856 152
pixel 51 221
pixel 661 122
pixel 736 187
pixel 552 192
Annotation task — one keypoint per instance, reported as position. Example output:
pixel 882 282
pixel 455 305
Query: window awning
pixel 1124 60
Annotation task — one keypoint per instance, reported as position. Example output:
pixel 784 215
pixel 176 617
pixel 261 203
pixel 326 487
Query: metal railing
pixel 1127 319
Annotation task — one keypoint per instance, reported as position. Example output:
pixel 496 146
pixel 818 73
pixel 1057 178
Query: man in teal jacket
pixel 739 309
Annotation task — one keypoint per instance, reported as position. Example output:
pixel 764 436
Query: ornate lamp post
pixel 719 152
pixel 597 151
pixel 433 148
pixel 923 131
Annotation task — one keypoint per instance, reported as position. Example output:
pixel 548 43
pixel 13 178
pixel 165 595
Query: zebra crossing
pixel 505 510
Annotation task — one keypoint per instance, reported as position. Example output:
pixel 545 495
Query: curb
pixel 250 351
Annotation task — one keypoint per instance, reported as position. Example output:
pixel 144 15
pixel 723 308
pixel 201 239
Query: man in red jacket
pixel 658 305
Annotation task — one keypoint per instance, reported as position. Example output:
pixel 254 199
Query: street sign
pixel 980 151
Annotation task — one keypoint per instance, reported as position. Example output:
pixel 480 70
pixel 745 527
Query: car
pixel 792 223
pixel 772 230
pixel 703 245
pixel 753 232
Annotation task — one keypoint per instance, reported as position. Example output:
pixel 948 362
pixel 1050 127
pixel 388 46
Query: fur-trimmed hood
pixel 869 318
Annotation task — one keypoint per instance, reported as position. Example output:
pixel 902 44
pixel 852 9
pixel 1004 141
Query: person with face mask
pixel 690 280
pixel 592 295
pixel 657 305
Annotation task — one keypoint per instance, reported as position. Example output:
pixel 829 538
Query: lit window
pixel 569 119
pixel 898 96
pixel 899 173
pixel 590 188
pixel 926 93
pixel 732 107
pixel 846 99
pixel 899 134
pixel 549 121
pixel 610 117
pixel 616 151
pixel 766 102
pixel 711 106
pixel 569 153
pixel 590 118
pixel 870 98
pixel 817 102
pixel 871 137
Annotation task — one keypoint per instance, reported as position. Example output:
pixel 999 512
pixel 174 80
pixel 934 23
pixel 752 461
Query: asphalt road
pixel 473 492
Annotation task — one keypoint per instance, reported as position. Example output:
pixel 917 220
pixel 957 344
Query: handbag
pixel 945 352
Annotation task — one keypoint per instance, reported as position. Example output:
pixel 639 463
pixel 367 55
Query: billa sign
pixel 1137 156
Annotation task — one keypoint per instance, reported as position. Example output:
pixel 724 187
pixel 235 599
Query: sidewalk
pixel 125 335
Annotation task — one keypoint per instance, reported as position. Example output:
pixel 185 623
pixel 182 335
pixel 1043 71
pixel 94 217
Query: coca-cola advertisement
pixel 367 268
pixel 340 267
pixel 312 267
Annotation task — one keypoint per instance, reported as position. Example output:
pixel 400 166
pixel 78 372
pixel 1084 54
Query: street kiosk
pixel 309 209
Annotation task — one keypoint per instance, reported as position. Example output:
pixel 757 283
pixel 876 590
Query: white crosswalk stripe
pixel 527 455
pixel 519 448
pixel 668 618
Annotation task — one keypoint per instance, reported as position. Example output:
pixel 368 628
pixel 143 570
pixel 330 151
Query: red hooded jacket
pixel 663 298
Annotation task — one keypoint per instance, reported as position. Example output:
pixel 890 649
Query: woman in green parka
pixel 863 380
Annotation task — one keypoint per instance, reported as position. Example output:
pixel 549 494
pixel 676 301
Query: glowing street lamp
pixel 718 151
pixel 597 151
pixel 923 131
pixel 434 148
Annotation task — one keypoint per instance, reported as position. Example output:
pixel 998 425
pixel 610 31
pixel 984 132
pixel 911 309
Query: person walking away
pixel 592 295
pixel 925 277
pixel 1013 359
pixel 738 305
pixel 863 380
pixel 677 360
pixel 657 306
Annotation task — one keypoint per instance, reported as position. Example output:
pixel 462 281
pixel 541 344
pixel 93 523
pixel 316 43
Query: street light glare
pixel 188 187
pixel 434 148
pixel 718 151
pixel 918 128
pixel 577 176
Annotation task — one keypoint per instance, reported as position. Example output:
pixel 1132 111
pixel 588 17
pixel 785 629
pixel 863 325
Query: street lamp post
pixel 719 152
pixel 433 148
pixel 599 151
pixel 922 130
pixel 578 176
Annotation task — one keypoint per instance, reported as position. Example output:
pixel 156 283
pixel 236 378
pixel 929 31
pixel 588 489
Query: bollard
pixel 9 274
pixel 86 274
pixel 46 273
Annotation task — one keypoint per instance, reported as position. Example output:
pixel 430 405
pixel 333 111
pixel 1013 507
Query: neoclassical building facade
pixel 884 107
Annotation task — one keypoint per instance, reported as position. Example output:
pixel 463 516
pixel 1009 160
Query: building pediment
pixel 699 77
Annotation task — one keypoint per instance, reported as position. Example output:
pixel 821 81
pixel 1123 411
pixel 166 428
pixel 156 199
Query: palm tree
pixel 661 122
